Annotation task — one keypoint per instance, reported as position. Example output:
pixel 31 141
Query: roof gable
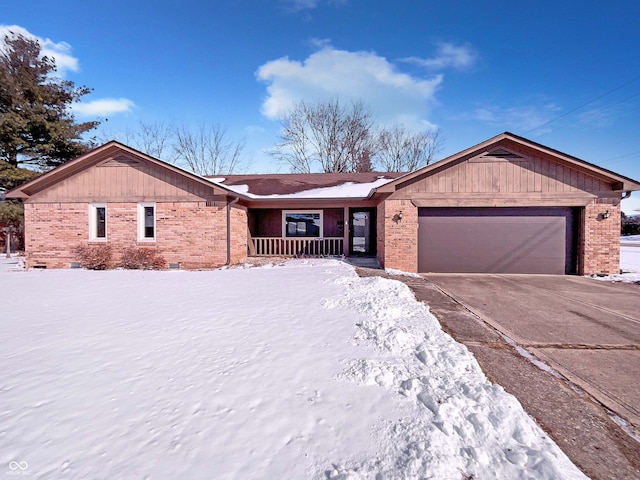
pixel 508 147
pixel 61 180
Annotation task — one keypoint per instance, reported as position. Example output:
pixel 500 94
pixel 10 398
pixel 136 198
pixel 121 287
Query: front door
pixel 361 232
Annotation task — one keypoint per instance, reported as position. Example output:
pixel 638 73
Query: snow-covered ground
pixel 629 261
pixel 630 239
pixel 630 258
pixel 284 372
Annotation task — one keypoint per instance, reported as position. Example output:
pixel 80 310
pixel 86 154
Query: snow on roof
pixel 313 185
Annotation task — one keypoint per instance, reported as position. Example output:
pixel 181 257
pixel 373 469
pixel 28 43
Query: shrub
pixel 134 258
pixel 93 257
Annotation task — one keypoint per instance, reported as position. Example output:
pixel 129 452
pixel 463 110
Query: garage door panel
pixel 480 240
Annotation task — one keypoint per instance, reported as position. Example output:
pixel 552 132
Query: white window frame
pixel 93 222
pixel 284 222
pixel 141 222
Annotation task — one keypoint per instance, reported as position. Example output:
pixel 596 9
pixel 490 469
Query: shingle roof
pixel 293 183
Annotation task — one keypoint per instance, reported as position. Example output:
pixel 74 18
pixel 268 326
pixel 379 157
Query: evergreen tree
pixel 11 177
pixel 36 125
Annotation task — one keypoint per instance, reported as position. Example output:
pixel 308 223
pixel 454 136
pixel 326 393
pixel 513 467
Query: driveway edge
pixel 581 427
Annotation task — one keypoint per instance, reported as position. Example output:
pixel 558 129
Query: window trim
pixel 93 222
pixel 141 222
pixel 313 212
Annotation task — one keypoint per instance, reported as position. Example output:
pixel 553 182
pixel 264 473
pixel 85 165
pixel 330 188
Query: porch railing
pixel 296 247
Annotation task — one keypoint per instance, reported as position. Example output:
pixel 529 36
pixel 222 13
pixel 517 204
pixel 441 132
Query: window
pixel 97 222
pixel 301 223
pixel 146 222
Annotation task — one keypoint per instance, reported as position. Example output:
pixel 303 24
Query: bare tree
pixel 402 150
pixel 208 150
pixel 326 136
pixel 155 139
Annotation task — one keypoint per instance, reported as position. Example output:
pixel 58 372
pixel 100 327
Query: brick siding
pixel 239 233
pixel 599 243
pixel 398 236
pixel 189 233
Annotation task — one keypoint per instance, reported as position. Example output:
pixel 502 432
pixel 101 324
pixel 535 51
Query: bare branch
pixel 155 139
pixel 208 150
pixel 401 150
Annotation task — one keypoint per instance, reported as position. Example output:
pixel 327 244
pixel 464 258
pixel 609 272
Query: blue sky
pixel 562 73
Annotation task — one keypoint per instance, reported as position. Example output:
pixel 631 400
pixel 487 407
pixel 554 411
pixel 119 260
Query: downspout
pixel 229 205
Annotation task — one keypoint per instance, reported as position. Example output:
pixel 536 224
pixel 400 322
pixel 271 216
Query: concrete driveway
pixel 587 330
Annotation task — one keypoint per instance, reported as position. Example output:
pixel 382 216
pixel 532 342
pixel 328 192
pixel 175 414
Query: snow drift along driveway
pixel 291 372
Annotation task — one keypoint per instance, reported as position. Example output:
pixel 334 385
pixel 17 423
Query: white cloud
pixel 103 107
pixel 631 205
pixel 298 5
pixel 516 118
pixel 597 117
pixel 295 6
pixel 60 52
pixel 448 55
pixel 320 43
pixel 349 76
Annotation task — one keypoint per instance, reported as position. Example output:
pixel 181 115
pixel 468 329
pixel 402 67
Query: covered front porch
pixel 312 232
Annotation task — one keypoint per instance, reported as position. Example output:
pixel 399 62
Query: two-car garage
pixel 497 240
pixel 506 205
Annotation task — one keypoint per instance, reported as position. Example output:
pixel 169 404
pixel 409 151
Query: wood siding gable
pixel 506 173
pixel 126 178
pixel 117 173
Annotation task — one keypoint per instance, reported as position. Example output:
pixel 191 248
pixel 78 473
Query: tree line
pixel 331 137
pixel 325 136
pixel 206 149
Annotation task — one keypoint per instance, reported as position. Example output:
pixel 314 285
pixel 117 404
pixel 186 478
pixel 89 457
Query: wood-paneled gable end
pixel 118 174
pixel 506 173
pixel 125 179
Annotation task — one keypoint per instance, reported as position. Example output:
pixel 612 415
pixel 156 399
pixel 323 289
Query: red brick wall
pixel 239 234
pixel 599 243
pixel 398 238
pixel 189 233
pixel 52 230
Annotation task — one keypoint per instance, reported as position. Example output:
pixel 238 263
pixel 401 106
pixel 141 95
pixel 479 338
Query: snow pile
pixel 461 426
pixel 402 273
pixel 296 371
pixel 12 263
pixel 622 277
